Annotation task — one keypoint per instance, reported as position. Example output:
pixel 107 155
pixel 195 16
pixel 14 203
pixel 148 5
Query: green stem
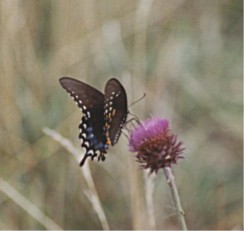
pixel 170 179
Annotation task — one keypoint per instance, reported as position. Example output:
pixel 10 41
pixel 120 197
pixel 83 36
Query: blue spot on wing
pixel 87 134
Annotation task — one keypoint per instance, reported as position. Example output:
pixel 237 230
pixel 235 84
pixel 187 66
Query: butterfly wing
pixel 115 109
pixel 91 102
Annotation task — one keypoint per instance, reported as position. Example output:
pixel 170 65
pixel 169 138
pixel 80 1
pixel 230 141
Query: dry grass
pixel 185 55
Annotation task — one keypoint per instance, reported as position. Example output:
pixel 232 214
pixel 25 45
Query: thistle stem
pixel 149 189
pixel 170 179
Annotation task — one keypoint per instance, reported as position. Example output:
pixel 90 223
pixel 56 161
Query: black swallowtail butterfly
pixel 104 114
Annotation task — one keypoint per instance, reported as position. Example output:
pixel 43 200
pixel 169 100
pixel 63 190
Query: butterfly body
pixel 103 114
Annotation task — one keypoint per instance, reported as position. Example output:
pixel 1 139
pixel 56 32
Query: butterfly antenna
pixel 144 95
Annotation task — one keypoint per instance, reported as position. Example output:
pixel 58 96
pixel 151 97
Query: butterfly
pixel 104 115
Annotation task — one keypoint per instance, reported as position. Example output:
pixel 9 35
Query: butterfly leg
pixel 130 121
pixel 134 118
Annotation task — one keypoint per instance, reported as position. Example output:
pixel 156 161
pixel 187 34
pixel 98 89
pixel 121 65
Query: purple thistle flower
pixel 155 145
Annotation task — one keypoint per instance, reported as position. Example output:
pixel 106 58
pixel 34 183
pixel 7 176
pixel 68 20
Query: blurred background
pixel 185 55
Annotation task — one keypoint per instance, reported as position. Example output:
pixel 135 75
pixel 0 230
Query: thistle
pixel 155 145
pixel 158 148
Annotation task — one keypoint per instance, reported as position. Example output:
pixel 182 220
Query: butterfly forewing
pixel 115 109
pixel 91 102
